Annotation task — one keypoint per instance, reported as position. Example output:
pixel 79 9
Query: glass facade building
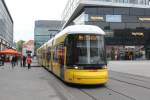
pixel 6 27
pixel 74 6
pixel 126 23
pixel 44 30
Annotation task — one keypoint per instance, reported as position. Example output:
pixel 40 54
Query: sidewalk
pixel 34 62
pixel 23 84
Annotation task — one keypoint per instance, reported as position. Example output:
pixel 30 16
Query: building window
pixel 134 1
pixel 113 18
pixel 121 1
pixel 108 0
pixel 142 1
pixel 126 1
pixel 81 19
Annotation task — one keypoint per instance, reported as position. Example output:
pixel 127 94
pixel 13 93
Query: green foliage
pixel 19 45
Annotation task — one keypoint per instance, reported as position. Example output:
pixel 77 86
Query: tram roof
pixel 82 29
pixel 76 29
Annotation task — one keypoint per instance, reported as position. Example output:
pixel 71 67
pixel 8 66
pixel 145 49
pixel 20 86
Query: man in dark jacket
pixel 24 61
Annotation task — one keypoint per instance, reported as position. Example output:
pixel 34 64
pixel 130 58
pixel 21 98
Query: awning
pixel 10 51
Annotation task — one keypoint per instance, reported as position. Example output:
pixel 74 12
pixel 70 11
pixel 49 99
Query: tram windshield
pixel 85 50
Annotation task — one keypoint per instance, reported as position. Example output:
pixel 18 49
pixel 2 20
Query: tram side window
pixel 59 54
pixel 55 54
pixel 71 48
pixel 43 54
pixel 48 54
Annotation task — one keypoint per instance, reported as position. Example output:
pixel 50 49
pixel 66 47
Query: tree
pixel 19 45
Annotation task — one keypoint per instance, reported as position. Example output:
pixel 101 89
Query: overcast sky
pixel 25 12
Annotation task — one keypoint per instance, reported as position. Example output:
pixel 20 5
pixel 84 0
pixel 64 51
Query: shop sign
pixel 130 47
pixel 144 19
pixel 97 18
pixel 137 33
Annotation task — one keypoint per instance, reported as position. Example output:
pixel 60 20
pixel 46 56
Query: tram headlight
pixel 105 67
pixel 76 67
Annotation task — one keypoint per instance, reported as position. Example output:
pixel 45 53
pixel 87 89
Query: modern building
pixel 44 30
pixel 126 23
pixel 28 48
pixel 6 27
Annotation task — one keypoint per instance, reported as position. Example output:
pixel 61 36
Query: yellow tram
pixel 76 55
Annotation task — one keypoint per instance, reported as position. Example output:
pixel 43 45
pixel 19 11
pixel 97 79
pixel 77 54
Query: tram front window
pixel 85 50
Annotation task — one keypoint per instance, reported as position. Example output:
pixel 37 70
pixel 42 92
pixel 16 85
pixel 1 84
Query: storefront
pixel 127 30
pixel 128 44
pixel 126 24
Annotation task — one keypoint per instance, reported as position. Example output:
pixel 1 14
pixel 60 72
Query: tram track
pixel 130 97
pixel 132 80
pixel 92 97
pixel 130 83
pixel 79 92
pixel 118 88
pixel 139 86
pixel 111 91
pixel 130 76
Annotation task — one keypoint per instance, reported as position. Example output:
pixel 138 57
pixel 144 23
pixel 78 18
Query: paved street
pixel 39 84
pixel 132 67
pixel 23 84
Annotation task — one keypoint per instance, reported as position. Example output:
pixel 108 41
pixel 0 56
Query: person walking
pixel 16 60
pixel 13 62
pixel 29 61
pixel 3 59
pixel 21 59
pixel 24 61
pixel 1 62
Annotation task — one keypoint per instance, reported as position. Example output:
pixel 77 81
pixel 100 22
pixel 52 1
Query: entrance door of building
pixel 148 54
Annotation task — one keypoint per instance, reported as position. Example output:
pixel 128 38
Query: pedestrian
pixel 3 59
pixel 16 60
pixel 13 62
pixel 112 53
pixel 29 61
pixel 24 61
pixel 21 59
